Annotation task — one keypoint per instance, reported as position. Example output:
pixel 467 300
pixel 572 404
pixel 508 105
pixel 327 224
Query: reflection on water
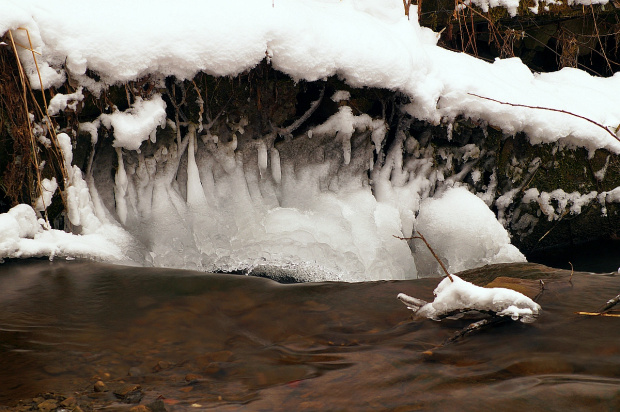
pixel 199 341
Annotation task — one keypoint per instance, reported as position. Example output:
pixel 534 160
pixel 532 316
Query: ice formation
pixel 464 232
pixel 454 294
pixel 315 205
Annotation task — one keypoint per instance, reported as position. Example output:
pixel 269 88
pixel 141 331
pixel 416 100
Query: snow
pixel 463 231
pixel 61 101
pixel 455 294
pixel 366 43
pixel 136 124
pixel 555 204
pixel 23 236
pixel 48 187
pixel 254 206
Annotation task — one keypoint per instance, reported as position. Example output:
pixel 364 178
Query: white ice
pixel 463 231
pixel 222 205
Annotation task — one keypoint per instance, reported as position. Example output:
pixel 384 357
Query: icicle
pixel 276 171
pixel 262 158
pixel 346 149
pixel 195 193
pixel 378 134
pixel 120 188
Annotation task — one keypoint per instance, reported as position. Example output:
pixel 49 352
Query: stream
pixel 109 337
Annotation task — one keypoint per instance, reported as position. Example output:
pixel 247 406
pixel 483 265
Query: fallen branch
pixel 551 110
pixel 610 304
pixel 461 296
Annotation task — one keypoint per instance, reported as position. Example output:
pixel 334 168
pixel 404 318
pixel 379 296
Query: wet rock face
pixel 546 195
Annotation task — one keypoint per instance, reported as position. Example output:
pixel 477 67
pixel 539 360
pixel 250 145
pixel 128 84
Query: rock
pixel 70 401
pixel 135 371
pixel 140 408
pixel 48 405
pixel 528 287
pixel 161 365
pixel 130 393
pixel 192 377
pixel 157 406
pixel 100 387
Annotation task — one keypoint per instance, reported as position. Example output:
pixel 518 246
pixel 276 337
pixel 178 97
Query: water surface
pixel 200 341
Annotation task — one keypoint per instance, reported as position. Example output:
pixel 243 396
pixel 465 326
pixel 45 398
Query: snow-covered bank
pixel 222 193
pixel 368 43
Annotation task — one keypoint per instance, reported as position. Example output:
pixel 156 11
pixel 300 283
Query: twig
pixel 542 290
pixel 420 236
pixel 598 37
pixel 570 279
pixel 476 326
pixel 552 110
pixel 605 315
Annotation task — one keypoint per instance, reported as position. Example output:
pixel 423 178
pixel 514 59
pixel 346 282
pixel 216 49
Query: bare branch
pixel 420 236
pixel 315 104
pixel 551 110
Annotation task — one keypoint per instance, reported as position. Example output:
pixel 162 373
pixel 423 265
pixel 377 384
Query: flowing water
pixel 196 341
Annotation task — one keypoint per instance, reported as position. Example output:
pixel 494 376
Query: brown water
pixel 230 342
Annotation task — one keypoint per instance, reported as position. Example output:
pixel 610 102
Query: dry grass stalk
pixel 25 85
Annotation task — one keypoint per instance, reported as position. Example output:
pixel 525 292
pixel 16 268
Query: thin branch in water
pixel 610 304
pixel 572 270
pixel 551 110
pixel 477 326
pixel 420 236
pixel 605 315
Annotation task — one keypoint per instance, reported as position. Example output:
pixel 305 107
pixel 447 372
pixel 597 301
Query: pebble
pixel 161 365
pixel 135 371
pixel 191 377
pixel 100 387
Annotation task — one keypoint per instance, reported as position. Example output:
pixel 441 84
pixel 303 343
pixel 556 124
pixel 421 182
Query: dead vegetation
pixel 31 154
pixel 557 36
